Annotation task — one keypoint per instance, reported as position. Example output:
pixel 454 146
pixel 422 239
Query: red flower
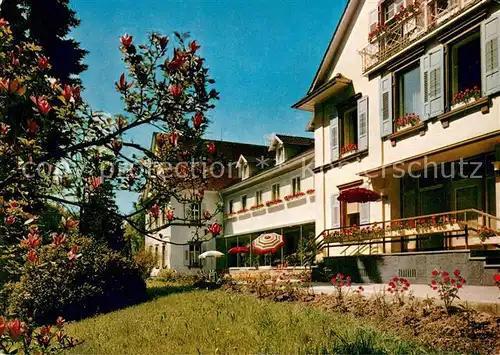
pixel 9 220
pixel 433 282
pixel 496 278
pixel 43 62
pixel 174 138
pixel 4 129
pixel 41 104
pixel 95 182
pixel 334 280
pixel 44 330
pixel 211 148
pixel 67 93
pixel 170 215
pixel 75 90
pixel 3 23
pixel 198 119
pixel 73 254
pixel 123 85
pixel 215 229
pixel 435 272
pixel 175 90
pixel 445 274
pixel 3 326
pixel 155 211
pixel 32 241
pixel 459 286
pixel 16 329
pixel 116 145
pixel 57 239
pixel 69 223
pixel 193 46
pixel 32 256
pixel 178 60
pixel 32 127
pixel 126 40
pixel 60 321
pixel 456 272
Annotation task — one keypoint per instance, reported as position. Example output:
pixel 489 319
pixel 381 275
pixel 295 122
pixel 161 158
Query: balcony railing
pixel 401 31
pixel 460 229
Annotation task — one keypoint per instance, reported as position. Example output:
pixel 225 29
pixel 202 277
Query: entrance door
pixel 467 194
pixel 432 200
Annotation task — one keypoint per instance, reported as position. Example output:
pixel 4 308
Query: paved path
pixel 476 294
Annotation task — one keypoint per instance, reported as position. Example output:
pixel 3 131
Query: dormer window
pixel 245 172
pixel 243 168
pixel 280 155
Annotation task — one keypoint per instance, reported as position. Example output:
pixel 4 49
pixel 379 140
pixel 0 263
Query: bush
pixel 146 262
pixel 94 280
pixel 170 275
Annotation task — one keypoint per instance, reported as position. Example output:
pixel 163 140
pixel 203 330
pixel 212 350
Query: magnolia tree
pixel 55 149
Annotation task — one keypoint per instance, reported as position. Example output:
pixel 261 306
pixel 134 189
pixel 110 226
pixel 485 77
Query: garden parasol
pixel 267 243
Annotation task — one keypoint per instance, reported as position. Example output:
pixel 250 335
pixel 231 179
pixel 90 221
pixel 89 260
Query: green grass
pixel 211 322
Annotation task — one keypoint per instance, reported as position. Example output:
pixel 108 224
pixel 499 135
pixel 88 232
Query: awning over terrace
pixel 358 194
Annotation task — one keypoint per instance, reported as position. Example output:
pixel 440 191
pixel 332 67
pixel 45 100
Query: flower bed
pixel 409 120
pixel 294 196
pixel 274 203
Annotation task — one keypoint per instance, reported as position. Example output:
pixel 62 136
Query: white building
pixel 388 115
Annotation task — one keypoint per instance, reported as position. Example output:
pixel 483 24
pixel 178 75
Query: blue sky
pixel 262 54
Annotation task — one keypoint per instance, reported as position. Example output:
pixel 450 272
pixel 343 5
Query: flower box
pixel 407 121
pixel 243 211
pixel 274 203
pixel 294 197
pixel 465 97
pixel 256 208
pixel 348 149
pixel 231 215
pixel 311 192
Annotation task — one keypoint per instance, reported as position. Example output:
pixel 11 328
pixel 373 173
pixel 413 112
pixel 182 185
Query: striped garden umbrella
pixel 267 243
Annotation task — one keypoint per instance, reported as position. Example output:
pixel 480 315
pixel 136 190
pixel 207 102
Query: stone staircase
pixel 490 257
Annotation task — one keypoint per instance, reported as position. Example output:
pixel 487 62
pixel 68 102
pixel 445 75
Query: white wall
pixel 289 213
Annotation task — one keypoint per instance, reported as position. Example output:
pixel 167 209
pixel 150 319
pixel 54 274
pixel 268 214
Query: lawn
pixel 211 322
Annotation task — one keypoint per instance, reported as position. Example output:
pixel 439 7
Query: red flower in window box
pixel 467 95
pixel 378 30
pixel 349 148
pixel 294 196
pixel 256 207
pixel 409 119
pixel 310 191
pixel 274 202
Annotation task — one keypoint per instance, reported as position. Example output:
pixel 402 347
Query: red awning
pixel 358 194
pixel 239 250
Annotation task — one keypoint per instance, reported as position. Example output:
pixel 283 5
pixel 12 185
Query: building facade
pixel 406 103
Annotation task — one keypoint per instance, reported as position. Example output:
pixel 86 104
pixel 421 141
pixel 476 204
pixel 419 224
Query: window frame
pixel 294 184
pixel 449 70
pixel 230 207
pixel 398 111
pixel 195 212
pixel 275 192
pixel 351 105
pixel 280 154
pixel 244 202
pixel 258 198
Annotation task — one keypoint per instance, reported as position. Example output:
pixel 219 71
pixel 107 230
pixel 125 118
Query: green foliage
pixel 145 262
pixel 97 280
pixel 47 23
pixel 170 275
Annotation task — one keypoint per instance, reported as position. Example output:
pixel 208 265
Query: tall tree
pixel 48 23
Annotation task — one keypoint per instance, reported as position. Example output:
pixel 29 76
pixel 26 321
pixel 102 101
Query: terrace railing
pixel 468 227
pixel 407 27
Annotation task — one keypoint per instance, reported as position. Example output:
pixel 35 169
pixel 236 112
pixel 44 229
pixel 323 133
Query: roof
pixel 294 140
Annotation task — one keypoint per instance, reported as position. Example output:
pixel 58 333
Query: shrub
pixel 171 275
pixel 398 287
pixel 447 286
pixel 340 283
pixel 146 262
pixel 94 280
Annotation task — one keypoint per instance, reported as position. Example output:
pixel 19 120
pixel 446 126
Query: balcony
pixel 407 27
pixel 466 229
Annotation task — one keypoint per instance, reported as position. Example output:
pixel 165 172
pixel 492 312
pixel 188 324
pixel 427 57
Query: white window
pixel 195 211
pixel 275 192
pixel 392 8
pixel 244 202
pixel 296 185
pixel 191 254
pixel 245 171
pixel 258 197
pixel 280 155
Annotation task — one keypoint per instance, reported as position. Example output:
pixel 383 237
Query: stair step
pixel 485 253
pixel 492 266
pixel 492 261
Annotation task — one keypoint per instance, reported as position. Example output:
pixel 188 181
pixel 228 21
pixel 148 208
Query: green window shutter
pixel 432 81
pixel 386 106
pixel 335 204
pixel 333 116
pixel 490 66
pixel 363 123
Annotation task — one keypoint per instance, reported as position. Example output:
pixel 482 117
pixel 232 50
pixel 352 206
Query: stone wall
pixel 416 267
